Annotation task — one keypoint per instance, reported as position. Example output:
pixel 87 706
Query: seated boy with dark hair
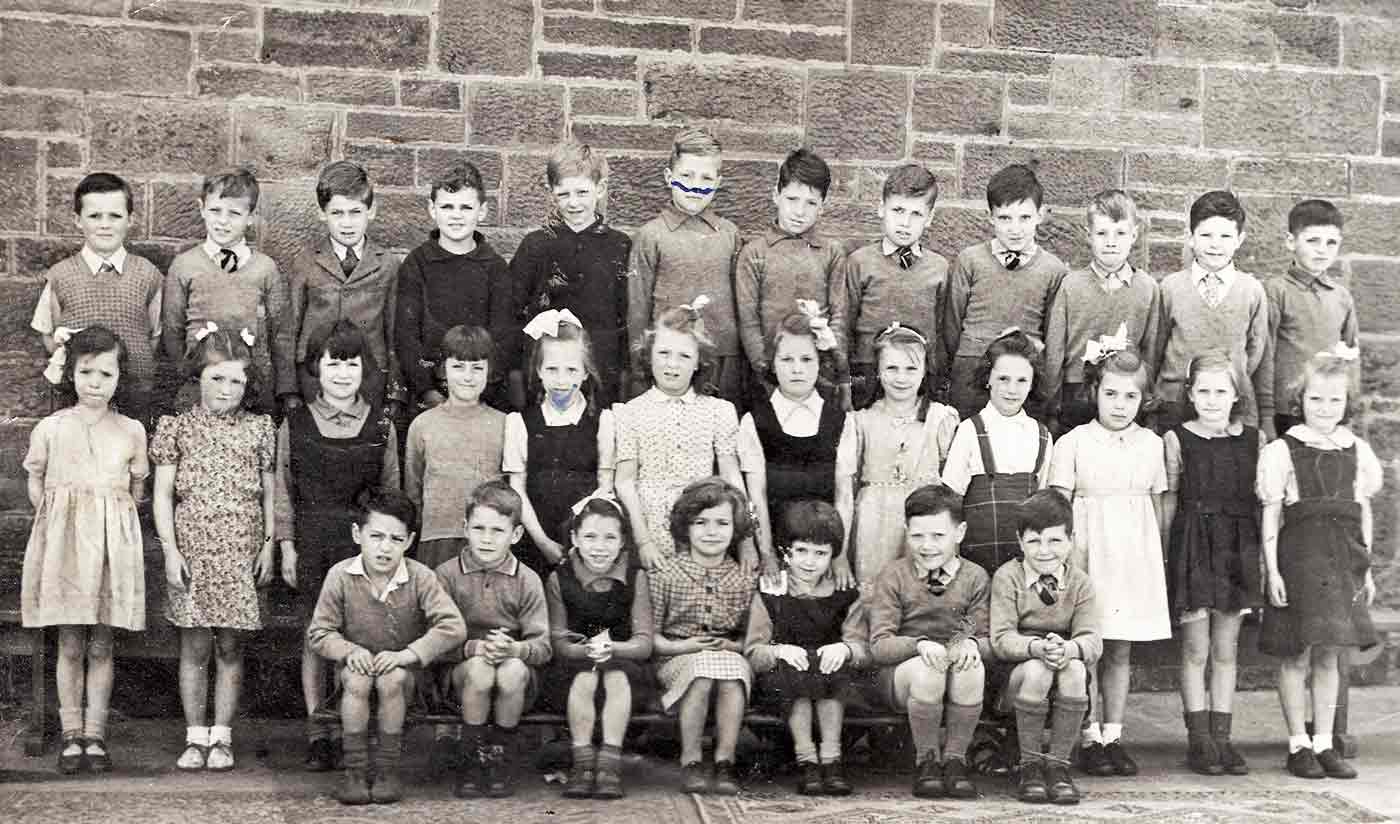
pixel 1046 622
pixel 382 618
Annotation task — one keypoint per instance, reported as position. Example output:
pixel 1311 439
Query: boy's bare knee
pixel 512 675
pixel 357 685
pixel 392 682
pixel 967 686
pixel 926 683
pixel 615 679
pixel 1073 679
pixel 478 674
pixel 1035 680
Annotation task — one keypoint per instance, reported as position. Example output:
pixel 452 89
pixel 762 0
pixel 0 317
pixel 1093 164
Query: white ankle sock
pixel 1321 742
pixel 1298 742
pixel 1111 733
pixel 1091 734
pixel 197 735
pixel 221 735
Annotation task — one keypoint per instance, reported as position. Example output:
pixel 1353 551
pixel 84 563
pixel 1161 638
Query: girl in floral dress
pixel 213 512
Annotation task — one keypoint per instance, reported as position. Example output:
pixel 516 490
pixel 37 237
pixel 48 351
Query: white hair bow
pixel 209 328
pixel 1096 351
pixel 1016 330
pixel 53 372
pixel 246 336
pixel 1341 351
pixel 597 495
pixel 547 323
pixel 897 326
pixel 821 329
pixel 697 305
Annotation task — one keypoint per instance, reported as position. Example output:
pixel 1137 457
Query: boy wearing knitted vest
pixel 895 278
pixel 1006 281
pixel 1044 621
pixel 1213 307
pixel 106 285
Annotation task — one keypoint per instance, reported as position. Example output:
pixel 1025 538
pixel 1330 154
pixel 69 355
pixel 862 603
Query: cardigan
pixel 1018 616
pixel 1083 310
pixel 677 257
pixel 1307 314
pixel 982 298
pixel 879 293
pixel 777 269
pixel 413 613
pixel 903 612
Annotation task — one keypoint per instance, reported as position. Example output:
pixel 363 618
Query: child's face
pixel 808 562
pixel 456 214
pixel 799 206
pixel 1325 402
pixel 226 219
pixel 347 219
pixel 465 380
pixel 221 386
pixel 1214 242
pixel 1014 224
pixel 577 199
pixel 95 378
pixel 933 540
pixel 795 362
pixel 689 177
pixel 1010 383
pixel 674 358
pixel 712 531
pixel 1111 241
pixel 1213 396
pixel 1047 549
pixel 901 372
pixel 904 218
pixel 382 541
pixel 490 535
pixel 562 371
pixel 340 377
pixel 1120 398
pixel 1315 248
pixel 104 221
pixel 598 539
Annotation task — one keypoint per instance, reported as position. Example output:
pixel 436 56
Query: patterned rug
pixel 1185 807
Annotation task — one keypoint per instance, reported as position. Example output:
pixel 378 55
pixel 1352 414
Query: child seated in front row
pixel 381 618
pixel 1045 621
pixel 601 627
pixel 496 676
pixel 928 635
pixel 805 638
pixel 700 602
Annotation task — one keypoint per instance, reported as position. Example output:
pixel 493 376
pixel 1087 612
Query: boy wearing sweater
pixel 1309 311
pixel 895 278
pixel 1213 307
pixel 1108 296
pixel 496 672
pixel 382 618
pixel 1045 621
pixel 1006 281
pixel 343 275
pixel 928 635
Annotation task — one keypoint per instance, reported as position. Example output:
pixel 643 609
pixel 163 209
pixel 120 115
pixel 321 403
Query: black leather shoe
pixel 96 757
pixel 1093 760
pixel 834 779
pixel 1303 764
pixel 1119 760
pixel 582 779
pixel 955 781
pixel 1061 787
pixel 1203 757
pixel 724 782
pixel 1032 785
pixel 70 763
pixel 695 778
pixel 929 782
pixel 1332 763
pixel 811 781
pixel 320 756
pixel 1230 760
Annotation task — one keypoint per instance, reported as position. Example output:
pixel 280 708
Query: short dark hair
pixel 603 508
pixel 496 495
pixel 345 178
pixel 94 340
pixel 235 183
pixel 1044 510
pixel 343 341
pixel 466 343
pixel 386 501
pixel 704 494
pixel 911 180
pixel 1218 203
pixel 1018 344
pixel 458 177
pixel 224 345
pixel 932 499
pixel 812 522
pixel 1013 184
pixel 99 183
pixel 1309 213
pixel 806 167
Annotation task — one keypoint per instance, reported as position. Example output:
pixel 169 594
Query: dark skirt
pixel 990 507
pixel 783 685
pixel 1323 562
pixel 559 678
pixel 1213 560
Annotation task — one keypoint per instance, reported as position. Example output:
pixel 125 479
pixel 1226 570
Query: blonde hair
pixel 694 141
pixel 1114 204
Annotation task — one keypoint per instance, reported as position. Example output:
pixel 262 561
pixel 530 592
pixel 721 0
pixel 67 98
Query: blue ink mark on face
pixel 698 190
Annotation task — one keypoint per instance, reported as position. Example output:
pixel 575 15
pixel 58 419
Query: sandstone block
pixel 1380 366
pixel 1376 286
pixel 747 93
pixel 1027 91
pixel 284 141
pixel 1173 170
pixel 1390 138
pixel 1163 88
pixel 979 60
pixel 1086 83
pixel 1284 111
pixel 167 137
pixel 291 218
pixel 401 219
pixel 1113 28
pixel 175 211
pixel 344 38
pixel 1156 200
pixel 91 8
pixel 1166 256
pixel 636 192
pixel 431 94
pixel 41 113
pixel 64 155
pixel 567 5
pixel 185 13
pixel 116 58
pixel 158 252
pixel 19 185
pixel 1369 178
pixel 512 113
pixel 893 32
pixel 406 128
pixel 1373 44
pixel 1263 251
pixel 645 136
pixel 24 392
pixel 966 25
pixel 232 82
pixel 575 64
pixel 528 201
pixel 1274 174
pixel 355 89
pixel 857 114
pixel 702 9
pixel 595 31
pixel 227 44
pixel 1070 176
pixel 485 36
pixel 15 432
pixel 747 194
pixel 1304 39
pixel 602 101
pixel 966 104
pixel 1367 8
pixel 386 165
pixel 1370 228
pixel 786 45
pixel 932 151
pixel 954 228
pixel 1213 35
pixel 813 13
pixel 1124 128
pixel 34 255
pixel 432 163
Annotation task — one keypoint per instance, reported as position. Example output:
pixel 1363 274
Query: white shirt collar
pixel 888 247
pixel 800 419
pixel 243 252
pixel 1123 275
pixel 357 567
pixel 999 249
pixel 567 417
pixel 340 250
pixel 657 396
pixel 1341 437
pixel 95 261
pixel 1033 577
pixel 994 419
pixel 1227 275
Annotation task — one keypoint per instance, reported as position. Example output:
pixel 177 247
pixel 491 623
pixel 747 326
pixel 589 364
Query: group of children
pixel 851 533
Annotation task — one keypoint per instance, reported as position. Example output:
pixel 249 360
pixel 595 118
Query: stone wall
pixel 1274 98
